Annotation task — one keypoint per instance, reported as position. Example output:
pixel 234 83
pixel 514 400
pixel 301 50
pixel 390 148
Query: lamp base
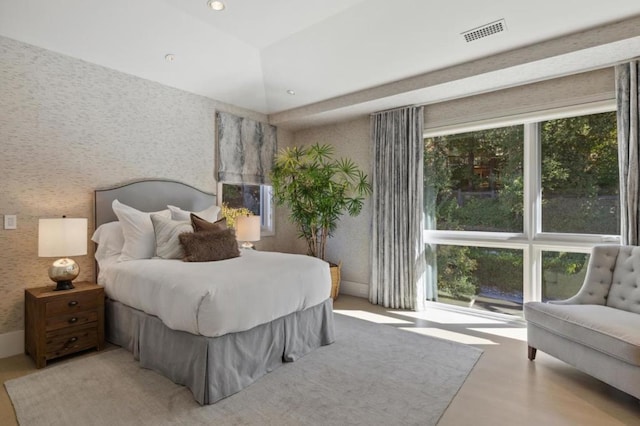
pixel 62 272
pixel 247 245
pixel 64 285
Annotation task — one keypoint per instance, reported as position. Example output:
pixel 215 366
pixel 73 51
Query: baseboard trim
pixel 11 343
pixel 354 289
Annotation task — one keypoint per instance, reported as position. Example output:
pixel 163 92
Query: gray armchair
pixel 598 329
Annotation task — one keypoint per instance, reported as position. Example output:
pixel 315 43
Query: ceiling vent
pixel 485 31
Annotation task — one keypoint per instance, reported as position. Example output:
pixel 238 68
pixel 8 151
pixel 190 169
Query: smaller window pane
pixel 237 196
pixel 488 279
pixel 562 274
pixel 256 198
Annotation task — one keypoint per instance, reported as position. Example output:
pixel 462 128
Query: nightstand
pixel 59 323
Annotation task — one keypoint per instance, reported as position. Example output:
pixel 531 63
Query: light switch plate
pixel 10 221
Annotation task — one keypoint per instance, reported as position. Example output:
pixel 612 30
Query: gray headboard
pixel 149 196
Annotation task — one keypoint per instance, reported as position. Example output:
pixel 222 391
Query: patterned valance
pixel 245 149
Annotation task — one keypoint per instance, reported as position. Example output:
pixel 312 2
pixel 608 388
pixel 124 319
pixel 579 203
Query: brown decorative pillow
pixel 207 246
pixel 199 224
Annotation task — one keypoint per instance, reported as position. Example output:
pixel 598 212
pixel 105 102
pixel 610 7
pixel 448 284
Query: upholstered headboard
pixel 148 196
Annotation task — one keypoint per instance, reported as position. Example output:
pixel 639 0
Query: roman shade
pixel 245 149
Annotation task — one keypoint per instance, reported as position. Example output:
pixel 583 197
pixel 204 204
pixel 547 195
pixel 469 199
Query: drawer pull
pixel 73 320
pixel 73 340
pixel 73 303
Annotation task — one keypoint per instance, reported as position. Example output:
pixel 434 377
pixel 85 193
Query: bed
pixel 215 327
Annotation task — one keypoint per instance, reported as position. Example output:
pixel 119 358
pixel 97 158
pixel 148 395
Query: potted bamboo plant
pixel 318 189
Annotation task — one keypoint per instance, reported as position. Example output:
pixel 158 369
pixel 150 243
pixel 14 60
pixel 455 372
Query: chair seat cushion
pixel 612 331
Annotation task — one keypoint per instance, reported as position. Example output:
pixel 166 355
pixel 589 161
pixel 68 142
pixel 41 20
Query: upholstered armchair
pixel 598 329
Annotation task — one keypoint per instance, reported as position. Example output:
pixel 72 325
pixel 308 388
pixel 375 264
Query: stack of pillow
pixel 168 234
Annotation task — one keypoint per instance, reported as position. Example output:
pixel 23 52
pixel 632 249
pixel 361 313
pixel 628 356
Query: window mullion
pixel 532 220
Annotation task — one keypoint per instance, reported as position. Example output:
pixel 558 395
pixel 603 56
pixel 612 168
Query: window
pixel 485 278
pixel 562 274
pixel 513 211
pixel 476 178
pixel 580 175
pixel 256 198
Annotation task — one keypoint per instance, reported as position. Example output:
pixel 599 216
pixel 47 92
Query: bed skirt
pixel 216 367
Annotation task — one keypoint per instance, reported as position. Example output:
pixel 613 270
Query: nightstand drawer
pixel 64 321
pixel 70 340
pixel 76 302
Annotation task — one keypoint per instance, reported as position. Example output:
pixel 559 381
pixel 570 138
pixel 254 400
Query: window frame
pixel 532 241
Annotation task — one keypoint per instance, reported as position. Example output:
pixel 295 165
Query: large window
pixel 580 175
pixel 475 179
pixel 256 198
pixel 513 211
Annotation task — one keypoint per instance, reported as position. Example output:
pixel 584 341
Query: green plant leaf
pixel 318 189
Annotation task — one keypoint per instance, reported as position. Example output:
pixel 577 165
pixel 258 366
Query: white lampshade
pixel 62 237
pixel 248 228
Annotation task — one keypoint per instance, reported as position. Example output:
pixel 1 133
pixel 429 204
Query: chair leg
pixel 531 353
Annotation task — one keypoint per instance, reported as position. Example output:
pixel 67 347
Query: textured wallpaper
pixel 351 243
pixel 68 127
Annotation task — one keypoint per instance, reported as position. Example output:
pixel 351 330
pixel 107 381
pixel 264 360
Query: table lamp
pixel 247 230
pixel 62 237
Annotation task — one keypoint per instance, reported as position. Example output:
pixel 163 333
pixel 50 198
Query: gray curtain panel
pixel 398 261
pixel 245 149
pixel 627 96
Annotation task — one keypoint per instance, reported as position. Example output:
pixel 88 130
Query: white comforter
pixel 216 298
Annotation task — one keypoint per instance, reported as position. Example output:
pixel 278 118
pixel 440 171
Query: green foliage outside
pixel 474 182
pixel 455 268
pixel 499 270
pixel 564 274
pixel 580 174
pixel 242 196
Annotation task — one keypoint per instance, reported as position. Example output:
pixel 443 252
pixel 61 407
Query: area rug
pixel 372 375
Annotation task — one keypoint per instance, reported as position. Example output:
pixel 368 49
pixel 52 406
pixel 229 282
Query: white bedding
pixel 216 298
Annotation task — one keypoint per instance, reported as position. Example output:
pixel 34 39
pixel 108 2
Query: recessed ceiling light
pixel 216 5
pixel 291 92
pixel 169 57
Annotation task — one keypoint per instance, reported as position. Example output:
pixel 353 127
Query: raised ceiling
pixel 250 54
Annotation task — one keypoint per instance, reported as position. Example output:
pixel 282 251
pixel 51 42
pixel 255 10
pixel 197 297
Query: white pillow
pixel 139 238
pixel 210 214
pixel 110 241
pixel 167 233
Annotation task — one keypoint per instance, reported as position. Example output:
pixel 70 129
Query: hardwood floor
pixel 504 388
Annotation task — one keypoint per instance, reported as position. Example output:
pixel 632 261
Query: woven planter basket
pixel 335 279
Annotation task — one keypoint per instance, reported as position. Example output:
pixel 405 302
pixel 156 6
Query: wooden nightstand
pixel 58 323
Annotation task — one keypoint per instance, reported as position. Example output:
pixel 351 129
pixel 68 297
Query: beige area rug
pixel 372 375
